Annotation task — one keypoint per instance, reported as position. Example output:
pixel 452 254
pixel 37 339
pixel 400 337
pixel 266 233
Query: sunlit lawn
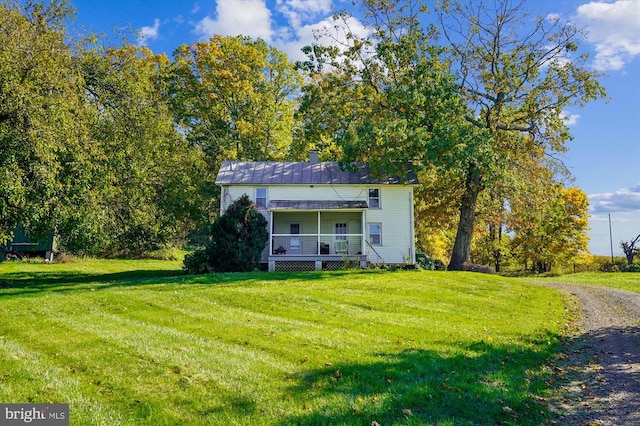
pixel 629 281
pixel 135 342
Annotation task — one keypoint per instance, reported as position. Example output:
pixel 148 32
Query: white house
pixel 320 217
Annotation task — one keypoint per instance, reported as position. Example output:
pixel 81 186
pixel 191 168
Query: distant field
pixel 629 281
pixel 135 342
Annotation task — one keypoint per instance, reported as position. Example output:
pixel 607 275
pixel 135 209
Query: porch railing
pixel 316 244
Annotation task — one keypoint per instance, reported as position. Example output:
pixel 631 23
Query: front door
pixel 341 245
pixel 295 243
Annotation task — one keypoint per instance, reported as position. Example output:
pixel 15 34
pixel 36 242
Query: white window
pixel 374 198
pixel 261 197
pixel 375 234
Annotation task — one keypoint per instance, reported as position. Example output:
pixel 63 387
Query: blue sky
pixel 604 155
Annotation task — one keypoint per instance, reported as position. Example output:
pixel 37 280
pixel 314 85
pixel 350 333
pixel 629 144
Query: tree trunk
pixel 498 252
pixel 461 253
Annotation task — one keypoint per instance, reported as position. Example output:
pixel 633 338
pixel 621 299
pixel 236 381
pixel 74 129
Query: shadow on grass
pixel 15 283
pixel 482 384
pixel 22 283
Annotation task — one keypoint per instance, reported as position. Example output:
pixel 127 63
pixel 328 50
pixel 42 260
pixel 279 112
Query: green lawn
pixel 135 342
pixel 629 281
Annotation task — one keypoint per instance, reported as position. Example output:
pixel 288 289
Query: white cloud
pixel 622 200
pixel 614 29
pixel 149 33
pixel 303 20
pixel 615 217
pixel 238 17
pixel 327 31
pixel 570 119
pixel 624 227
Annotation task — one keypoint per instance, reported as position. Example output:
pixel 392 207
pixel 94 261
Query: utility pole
pixel 611 238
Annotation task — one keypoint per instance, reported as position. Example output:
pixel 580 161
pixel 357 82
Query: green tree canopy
pixel 517 75
pixel 233 97
pixel 42 130
pixel 484 99
pixel 553 233
pixel 388 99
pixel 145 190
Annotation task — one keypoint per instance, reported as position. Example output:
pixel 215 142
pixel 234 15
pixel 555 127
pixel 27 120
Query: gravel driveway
pixel 600 371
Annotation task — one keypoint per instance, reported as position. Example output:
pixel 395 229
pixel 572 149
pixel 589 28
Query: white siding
pixel 396 218
pixel 395 213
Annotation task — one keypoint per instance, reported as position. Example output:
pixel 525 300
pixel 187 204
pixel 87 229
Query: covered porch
pixel 315 235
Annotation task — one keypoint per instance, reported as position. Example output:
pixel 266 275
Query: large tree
pixel 387 99
pixel 491 97
pixel 233 97
pixel 44 161
pixel 146 177
pixel 630 250
pixel 553 233
pixel 518 74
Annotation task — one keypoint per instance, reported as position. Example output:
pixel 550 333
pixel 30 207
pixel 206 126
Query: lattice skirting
pixel 310 265
pixel 295 265
pixel 333 265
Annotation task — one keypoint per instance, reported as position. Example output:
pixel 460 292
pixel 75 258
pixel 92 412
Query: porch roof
pixel 317 205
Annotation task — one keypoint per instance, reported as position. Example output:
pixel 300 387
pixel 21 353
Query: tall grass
pixel 137 343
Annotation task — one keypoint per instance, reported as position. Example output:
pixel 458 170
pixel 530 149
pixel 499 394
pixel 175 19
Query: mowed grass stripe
pixel 158 363
pixel 35 379
pixel 419 306
pixel 266 331
pixel 317 348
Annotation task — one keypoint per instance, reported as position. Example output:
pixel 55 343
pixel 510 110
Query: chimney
pixel 313 157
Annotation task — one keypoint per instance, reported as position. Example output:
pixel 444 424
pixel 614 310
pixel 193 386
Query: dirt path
pixel 600 372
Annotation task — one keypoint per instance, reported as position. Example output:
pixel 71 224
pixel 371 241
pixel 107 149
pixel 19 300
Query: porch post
pixel 270 232
pixel 364 231
pixel 318 246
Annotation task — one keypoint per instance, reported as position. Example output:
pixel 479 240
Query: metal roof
pixel 317 205
pixel 301 173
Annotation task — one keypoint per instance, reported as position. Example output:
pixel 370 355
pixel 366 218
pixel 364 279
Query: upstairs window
pixel 261 197
pixel 374 198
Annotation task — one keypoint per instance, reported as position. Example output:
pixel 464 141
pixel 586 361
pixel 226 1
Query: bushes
pixel 196 262
pixel 621 266
pixel 236 241
pixel 429 263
